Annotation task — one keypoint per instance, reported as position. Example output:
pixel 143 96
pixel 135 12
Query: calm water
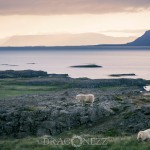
pixel 113 62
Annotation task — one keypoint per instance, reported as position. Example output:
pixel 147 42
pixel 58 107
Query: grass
pixel 112 141
pixel 16 90
pixel 112 133
pixel 115 87
pixel 11 87
pixel 115 143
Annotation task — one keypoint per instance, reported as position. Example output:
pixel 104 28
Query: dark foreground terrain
pixel 31 108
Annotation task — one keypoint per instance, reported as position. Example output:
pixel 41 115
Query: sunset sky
pixel 121 18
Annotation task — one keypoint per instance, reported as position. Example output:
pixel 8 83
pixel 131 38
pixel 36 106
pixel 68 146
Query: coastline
pixel 78 48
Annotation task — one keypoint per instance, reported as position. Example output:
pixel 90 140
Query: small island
pixel 8 65
pixel 31 63
pixel 122 75
pixel 87 66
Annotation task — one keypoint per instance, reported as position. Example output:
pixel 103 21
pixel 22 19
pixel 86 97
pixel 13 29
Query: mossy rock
pixel 128 114
pixel 118 98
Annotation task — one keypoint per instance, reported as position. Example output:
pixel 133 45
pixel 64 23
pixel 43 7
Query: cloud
pixel 50 7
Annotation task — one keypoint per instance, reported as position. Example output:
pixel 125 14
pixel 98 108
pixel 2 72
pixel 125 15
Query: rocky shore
pixel 121 107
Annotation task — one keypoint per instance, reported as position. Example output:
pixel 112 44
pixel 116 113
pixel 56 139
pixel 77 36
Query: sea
pixel 118 60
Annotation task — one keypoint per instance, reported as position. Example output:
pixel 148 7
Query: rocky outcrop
pixel 144 40
pixel 136 119
pixel 87 83
pixel 22 74
pixel 50 120
pixel 47 115
pixel 29 74
pixel 58 75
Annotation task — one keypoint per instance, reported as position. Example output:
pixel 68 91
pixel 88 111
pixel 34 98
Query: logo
pixel 75 141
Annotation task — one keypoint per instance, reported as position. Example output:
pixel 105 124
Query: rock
pixel 84 120
pixel 22 74
pixel 87 66
pixel 92 114
pixel 42 132
pixel 146 110
pixel 58 75
pixel 122 75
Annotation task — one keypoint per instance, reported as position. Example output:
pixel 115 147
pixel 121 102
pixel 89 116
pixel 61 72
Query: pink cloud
pixel 48 7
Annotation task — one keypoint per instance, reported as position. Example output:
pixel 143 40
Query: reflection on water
pixel 113 62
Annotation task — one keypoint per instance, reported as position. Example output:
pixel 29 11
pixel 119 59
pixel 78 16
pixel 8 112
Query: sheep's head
pixel 77 97
pixel 140 136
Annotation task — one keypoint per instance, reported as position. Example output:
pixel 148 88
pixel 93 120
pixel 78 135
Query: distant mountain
pixel 3 41
pixel 144 40
pixel 64 40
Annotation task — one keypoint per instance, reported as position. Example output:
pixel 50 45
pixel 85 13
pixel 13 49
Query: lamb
pixel 144 135
pixel 85 98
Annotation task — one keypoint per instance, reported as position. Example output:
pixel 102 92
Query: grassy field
pixel 103 142
pixel 17 87
pixel 117 143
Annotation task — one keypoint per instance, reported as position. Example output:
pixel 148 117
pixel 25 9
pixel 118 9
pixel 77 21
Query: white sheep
pixel 144 135
pixel 147 88
pixel 85 98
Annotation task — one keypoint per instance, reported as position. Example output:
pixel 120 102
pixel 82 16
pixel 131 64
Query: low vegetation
pixel 113 143
pixel 13 87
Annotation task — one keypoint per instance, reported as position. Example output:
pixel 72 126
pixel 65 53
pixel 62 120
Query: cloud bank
pixel 51 7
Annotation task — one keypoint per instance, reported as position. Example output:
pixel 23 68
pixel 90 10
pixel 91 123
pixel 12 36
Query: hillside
pixel 144 40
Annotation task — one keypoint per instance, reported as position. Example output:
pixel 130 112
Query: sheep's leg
pixel 92 104
pixel 82 103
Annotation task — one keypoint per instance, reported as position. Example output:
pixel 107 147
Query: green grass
pixel 106 88
pixel 16 90
pixel 111 133
pixel 116 143
pixel 17 87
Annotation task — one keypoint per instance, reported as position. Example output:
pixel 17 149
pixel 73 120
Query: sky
pixel 118 18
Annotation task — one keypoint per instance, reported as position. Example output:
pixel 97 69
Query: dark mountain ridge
pixel 144 40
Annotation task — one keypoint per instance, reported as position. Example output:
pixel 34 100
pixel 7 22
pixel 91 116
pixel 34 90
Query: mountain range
pixel 64 40
pixel 75 40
